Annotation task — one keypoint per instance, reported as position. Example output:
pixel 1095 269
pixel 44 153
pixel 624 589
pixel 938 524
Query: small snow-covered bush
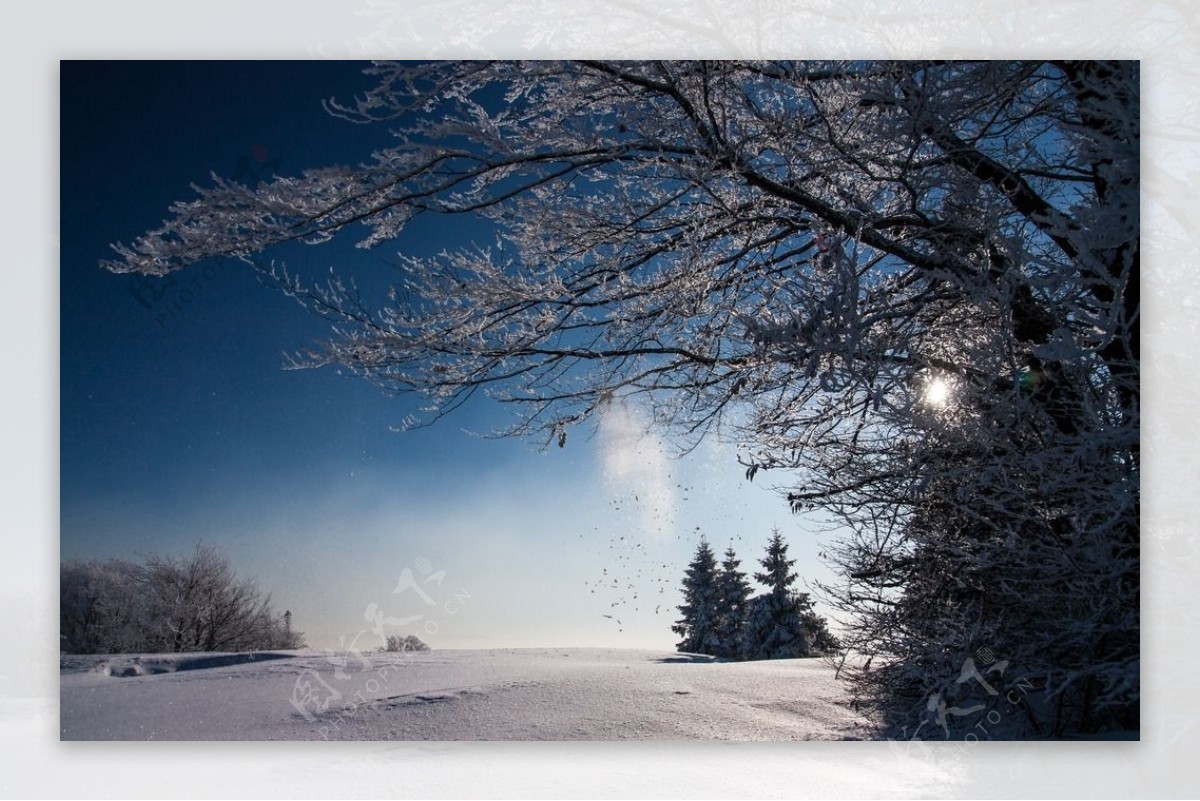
pixel 410 643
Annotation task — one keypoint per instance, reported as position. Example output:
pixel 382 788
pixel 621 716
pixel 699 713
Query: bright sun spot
pixel 937 392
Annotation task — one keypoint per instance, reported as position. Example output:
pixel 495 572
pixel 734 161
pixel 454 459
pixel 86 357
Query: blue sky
pixel 178 422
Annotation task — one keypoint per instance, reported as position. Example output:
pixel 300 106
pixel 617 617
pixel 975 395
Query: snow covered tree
pixel 733 592
pixel 773 628
pixel 913 286
pixel 167 604
pixel 699 621
pixel 407 643
pixel 100 608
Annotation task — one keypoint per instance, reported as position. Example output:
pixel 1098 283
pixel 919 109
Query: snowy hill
pixel 513 694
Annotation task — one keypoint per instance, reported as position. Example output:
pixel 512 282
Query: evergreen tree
pixel 777 573
pixel 733 592
pixel 773 627
pixel 698 625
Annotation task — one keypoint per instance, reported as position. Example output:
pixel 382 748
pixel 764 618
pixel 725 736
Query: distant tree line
pixel 721 618
pixel 167 604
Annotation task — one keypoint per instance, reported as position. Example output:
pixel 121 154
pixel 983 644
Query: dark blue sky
pixel 178 421
pixel 155 360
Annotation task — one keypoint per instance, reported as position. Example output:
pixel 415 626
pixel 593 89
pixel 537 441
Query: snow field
pixel 513 694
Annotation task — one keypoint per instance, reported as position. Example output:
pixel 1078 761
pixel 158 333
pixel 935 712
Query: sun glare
pixel 937 393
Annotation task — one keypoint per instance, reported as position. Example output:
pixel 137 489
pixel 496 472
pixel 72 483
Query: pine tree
pixel 782 624
pixel 733 592
pixel 773 628
pixel 698 625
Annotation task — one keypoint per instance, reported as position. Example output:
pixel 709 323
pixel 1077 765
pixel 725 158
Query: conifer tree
pixel 773 627
pixel 698 626
pixel 733 593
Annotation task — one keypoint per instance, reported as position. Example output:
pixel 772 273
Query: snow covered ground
pixel 513 694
